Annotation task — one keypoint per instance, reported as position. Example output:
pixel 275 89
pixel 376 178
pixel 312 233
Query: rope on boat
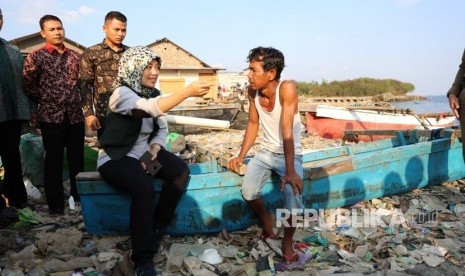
pixel 422 122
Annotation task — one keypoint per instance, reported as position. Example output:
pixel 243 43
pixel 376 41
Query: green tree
pixel 355 87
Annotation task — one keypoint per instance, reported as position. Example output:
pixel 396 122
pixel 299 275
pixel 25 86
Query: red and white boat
pixel 332 121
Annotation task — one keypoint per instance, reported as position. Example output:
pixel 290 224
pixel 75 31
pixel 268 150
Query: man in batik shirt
pixel 98 69
pixel 50 77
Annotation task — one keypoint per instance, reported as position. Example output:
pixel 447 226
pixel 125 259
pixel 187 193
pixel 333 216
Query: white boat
pixel 332 121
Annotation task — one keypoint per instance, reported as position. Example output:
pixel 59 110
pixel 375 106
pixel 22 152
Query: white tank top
pixel 270 122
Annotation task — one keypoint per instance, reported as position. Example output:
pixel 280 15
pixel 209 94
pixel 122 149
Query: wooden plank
pixel 411 132
pixel 307 107
pixel 224 159
pixel 348 150
pixel 88 176
pixel 320 163
pixel 373 146
pixel 325 153
pixel 394 155
pixel 207 153
pixel 430 115
pixel 330 169
pixel 379 108
pixel 360 161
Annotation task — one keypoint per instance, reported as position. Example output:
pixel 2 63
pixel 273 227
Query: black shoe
pixel 157 246
pixel 146 270
pixel 158 236
pixel 7 216
pixel 56 211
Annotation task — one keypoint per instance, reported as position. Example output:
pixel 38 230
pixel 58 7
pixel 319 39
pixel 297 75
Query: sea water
pixel 432 104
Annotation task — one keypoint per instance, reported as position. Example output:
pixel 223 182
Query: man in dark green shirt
pixel 14 110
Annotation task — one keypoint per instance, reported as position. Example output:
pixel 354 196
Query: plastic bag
pixel 32 191
pixel 32 158
pixel 175 142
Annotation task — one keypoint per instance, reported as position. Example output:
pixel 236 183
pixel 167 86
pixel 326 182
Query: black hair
pixel 271 58
pixel 46 18
pixel 115 15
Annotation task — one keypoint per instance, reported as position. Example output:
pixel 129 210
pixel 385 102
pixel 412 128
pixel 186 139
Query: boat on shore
pixel 222 111
pixel 331 121
pixel 333 177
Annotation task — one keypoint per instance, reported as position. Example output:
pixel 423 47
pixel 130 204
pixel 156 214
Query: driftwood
pixel 406 133
pixel 222 158
pixel 325 170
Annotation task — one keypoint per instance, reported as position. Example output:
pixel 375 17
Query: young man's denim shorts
pixel 261 167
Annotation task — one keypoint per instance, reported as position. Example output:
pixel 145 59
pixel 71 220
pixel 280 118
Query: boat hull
pixel 225 112
pixel 333 177
pixel 331 122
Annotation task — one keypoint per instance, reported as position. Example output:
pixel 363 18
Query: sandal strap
pixel 289 260
pixel 303 258
pixel 272 236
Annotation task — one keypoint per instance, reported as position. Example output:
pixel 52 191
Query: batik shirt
pixel 97 71
pixel 50 79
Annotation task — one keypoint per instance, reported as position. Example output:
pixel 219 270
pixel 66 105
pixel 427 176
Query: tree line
pixel 356 87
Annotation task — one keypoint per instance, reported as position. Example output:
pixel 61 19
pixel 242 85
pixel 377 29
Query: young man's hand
pixel 235 163
pixel 295 181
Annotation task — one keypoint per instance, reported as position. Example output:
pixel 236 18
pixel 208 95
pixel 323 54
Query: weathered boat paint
pixel 333 177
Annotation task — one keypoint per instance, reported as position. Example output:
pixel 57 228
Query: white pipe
pixel 186 120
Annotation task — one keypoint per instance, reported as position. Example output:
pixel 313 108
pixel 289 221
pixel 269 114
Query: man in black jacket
pixel 456 97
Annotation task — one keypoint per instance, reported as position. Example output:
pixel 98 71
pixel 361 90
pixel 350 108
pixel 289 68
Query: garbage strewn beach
pixel 416 233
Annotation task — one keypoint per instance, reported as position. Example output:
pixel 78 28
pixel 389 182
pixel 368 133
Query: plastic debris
pixel 32 192
pixel 211 256
pixel 175 142
pixel 72 204
pixel 316 240
pixel 429 241
pixel 28 217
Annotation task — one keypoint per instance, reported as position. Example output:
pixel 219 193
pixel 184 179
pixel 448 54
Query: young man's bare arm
pixel 289 102
pixel 250 134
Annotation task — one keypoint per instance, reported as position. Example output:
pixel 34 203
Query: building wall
pixel 230 80
pixel 172 81
pixel 173 57
pixel 210 78
pixel 179 69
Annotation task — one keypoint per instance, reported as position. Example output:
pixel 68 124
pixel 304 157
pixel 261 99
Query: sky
pixel 416 41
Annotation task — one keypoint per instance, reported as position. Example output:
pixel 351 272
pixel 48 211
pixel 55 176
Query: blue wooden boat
pixel 333 177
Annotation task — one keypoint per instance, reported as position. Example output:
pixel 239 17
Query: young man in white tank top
pixel 274 107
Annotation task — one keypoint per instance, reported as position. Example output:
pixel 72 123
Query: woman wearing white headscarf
pixel 135 123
